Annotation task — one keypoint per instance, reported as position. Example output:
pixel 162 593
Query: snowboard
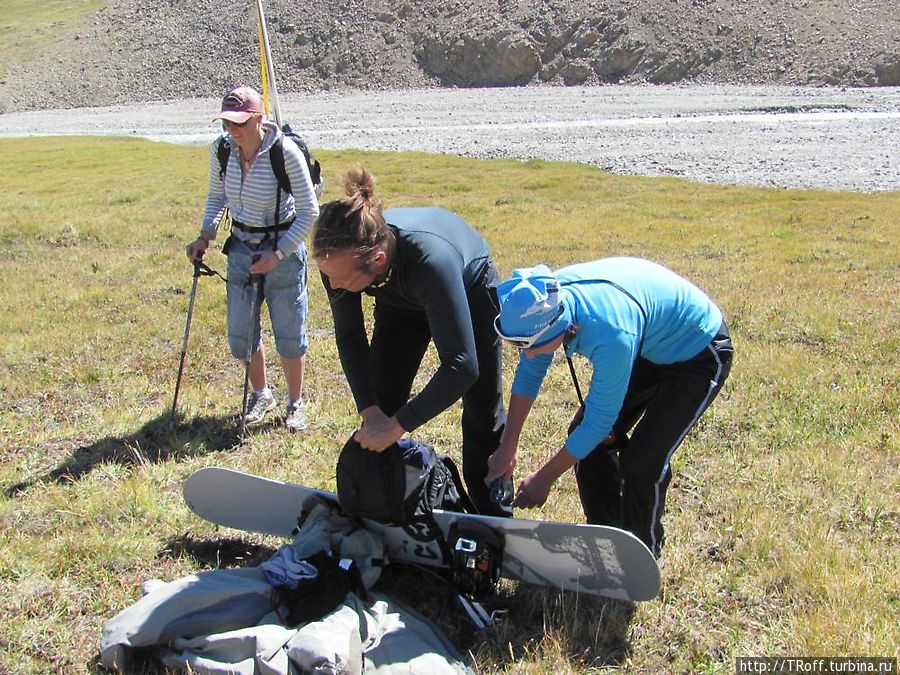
pixel 589 559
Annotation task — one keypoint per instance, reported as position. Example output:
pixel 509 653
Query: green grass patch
pixel 783 513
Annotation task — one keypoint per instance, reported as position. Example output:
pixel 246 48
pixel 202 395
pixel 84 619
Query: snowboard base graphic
pixel 590 559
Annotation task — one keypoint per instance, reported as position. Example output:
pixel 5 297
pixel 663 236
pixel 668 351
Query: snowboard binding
pixel 477 557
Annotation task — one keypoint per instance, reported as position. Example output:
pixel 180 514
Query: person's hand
pixel 196 249
pixel 533 491
pixel 500 463
pixel 264 262
pixel 378 430
pixel 373 414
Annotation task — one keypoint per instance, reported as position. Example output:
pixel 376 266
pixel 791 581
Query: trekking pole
pixel 187 331
pixel 200 269
pixel 255 282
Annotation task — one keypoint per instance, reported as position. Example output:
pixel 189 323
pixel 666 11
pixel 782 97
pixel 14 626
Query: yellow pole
pixel 263 78
pixel 269 64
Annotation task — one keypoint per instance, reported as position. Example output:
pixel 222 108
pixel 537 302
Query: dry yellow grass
pixel 783 514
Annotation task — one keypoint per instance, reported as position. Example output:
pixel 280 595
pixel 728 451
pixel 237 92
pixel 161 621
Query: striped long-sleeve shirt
pixel 251 198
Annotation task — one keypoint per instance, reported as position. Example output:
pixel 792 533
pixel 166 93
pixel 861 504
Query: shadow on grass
pixel 158 440
pixel 141 661
pixel 217 553
pixel 590 632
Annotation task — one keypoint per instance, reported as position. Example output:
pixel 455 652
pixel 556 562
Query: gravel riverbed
pixel 791 137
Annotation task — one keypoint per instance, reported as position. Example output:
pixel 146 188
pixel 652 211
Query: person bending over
pixel 660 352
pixel 432 279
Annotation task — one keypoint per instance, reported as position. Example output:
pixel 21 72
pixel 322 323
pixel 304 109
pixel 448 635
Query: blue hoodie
pixel 667 319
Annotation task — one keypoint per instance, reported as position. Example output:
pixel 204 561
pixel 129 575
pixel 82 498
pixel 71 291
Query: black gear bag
pixel 401 485
pixel 317 596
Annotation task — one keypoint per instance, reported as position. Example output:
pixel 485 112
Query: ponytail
pixel 354 223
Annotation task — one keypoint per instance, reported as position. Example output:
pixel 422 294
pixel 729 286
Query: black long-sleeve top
pixel 437 260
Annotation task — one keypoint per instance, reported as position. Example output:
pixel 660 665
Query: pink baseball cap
pixel 240 104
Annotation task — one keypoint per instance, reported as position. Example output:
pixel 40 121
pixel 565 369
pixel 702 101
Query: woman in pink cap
pixel 269 227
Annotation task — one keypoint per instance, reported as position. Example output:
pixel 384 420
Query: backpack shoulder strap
pixel 574 379
pixel 464 497
pixel 276 157
pixel 223 152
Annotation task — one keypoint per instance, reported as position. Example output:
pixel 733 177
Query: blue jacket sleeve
pixel 530 373
pixel 612 360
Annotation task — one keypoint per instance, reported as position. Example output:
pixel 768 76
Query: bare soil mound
pixel 146 50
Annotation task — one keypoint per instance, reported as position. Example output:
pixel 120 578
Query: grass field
pixel 783 514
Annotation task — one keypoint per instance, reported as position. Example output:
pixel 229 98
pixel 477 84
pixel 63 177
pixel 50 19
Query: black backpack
pixel 316 596
pixel 276 157
pixel 400 486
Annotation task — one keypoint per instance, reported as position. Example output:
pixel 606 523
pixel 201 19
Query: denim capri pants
pixel 284 291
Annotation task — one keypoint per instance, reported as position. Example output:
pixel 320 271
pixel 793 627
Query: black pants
pixel 626 486
pixel 399 341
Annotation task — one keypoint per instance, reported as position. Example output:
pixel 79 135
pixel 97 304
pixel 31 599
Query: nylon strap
pixel 575 379
pixel 201 269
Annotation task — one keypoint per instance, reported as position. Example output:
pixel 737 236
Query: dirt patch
pixel 142 50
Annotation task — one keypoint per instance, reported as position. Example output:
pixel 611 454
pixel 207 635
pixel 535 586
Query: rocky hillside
pixel 138 50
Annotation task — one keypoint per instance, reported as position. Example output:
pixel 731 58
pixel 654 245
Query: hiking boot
pixel 257 407
pixel 295 420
